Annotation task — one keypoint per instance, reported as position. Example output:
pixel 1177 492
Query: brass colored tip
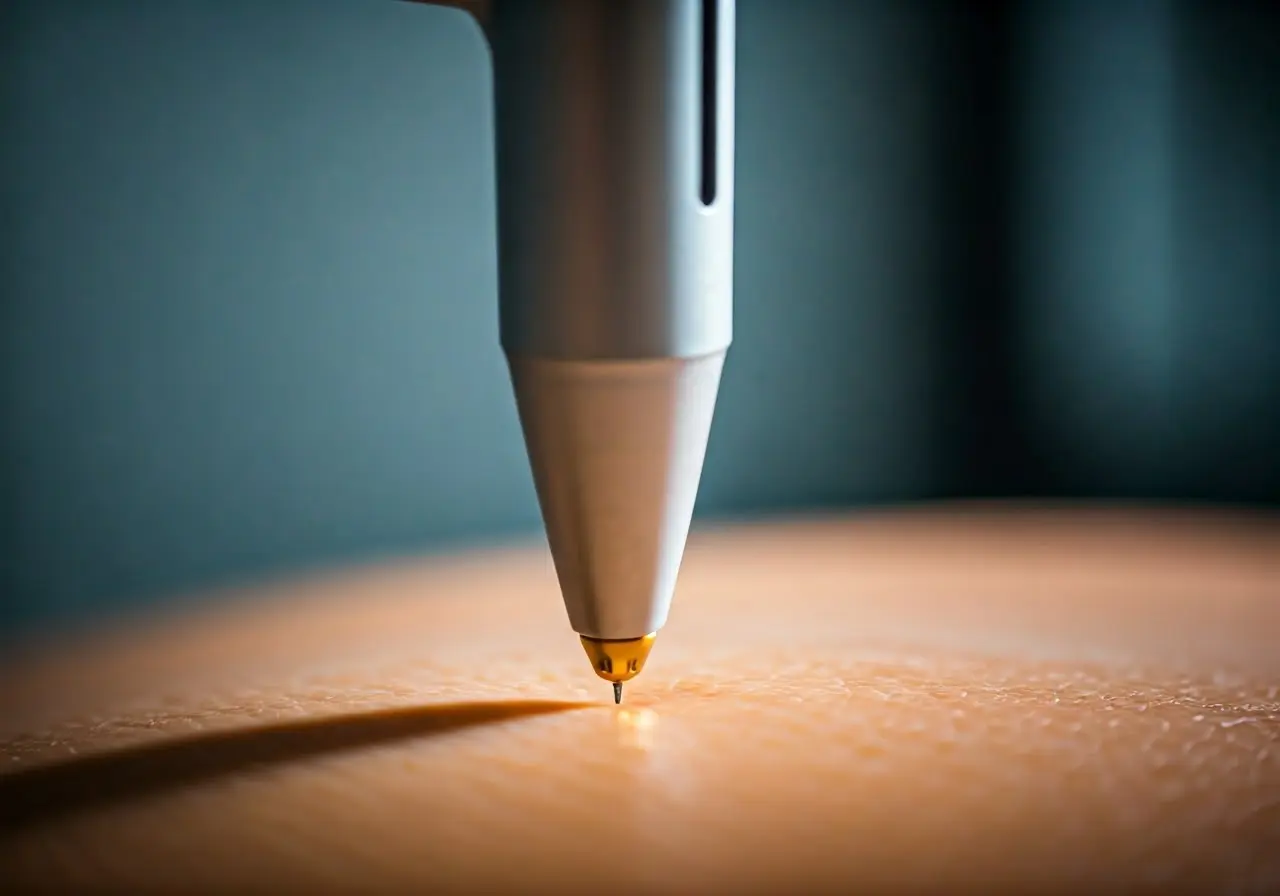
pixel 618 661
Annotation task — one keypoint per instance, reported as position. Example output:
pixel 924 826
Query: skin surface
pixel 964 700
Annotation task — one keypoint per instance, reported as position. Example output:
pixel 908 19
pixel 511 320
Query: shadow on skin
pixel 66 787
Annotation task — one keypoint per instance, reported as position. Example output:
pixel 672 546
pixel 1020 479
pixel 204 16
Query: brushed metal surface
pixel 617 451
pixel 615 144
pixel 605 248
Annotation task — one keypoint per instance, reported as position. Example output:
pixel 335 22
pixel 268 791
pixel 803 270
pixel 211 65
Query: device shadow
pixel 70 786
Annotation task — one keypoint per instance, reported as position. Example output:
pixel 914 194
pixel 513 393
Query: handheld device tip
pixel 617 692
pixel 618 660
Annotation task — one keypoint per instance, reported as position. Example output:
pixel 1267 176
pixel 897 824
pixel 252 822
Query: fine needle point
pixel 617 692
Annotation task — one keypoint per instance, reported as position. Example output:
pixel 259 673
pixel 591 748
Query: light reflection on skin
pixel 1039 700
pixel 636 728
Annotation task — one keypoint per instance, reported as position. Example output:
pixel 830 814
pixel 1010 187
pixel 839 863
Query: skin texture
pixel 964 700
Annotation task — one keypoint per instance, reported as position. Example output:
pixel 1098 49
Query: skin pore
pixel 970 698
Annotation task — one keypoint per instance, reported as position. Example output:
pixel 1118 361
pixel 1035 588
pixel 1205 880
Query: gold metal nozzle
pixel 618 661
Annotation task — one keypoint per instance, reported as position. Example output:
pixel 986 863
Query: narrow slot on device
pixel 710 68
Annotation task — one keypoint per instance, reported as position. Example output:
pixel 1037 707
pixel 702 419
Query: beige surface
pixel 970 698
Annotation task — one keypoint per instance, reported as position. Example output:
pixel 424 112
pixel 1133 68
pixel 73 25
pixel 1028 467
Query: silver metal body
pixel 615 130
pixel 606 250
pixel 617 450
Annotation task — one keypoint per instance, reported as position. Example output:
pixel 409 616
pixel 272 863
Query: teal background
pixel 247 271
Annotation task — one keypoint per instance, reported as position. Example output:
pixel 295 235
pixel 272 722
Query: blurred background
pixel 248 287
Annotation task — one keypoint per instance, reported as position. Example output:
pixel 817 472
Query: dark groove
pixel 710 89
